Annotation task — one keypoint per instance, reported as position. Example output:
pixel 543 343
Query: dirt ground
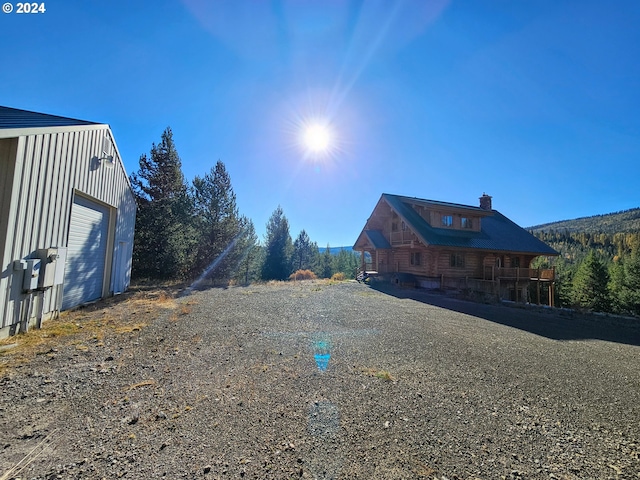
pixel 319 380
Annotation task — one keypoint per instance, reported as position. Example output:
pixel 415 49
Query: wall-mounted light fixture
pixel 106 160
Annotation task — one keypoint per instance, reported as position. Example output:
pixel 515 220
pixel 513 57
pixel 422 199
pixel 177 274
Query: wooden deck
pixel 538 274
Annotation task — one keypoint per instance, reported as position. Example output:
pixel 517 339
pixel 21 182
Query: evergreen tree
pixel 565 273
pixel 327 263
pixel 590 285
pixel 302 252
pixel 316 260
pixel 278 247
pixel 616 285
pixel 218 224
pixel 630 295
pixel 347 263
pixel 250 253
pixel 164 236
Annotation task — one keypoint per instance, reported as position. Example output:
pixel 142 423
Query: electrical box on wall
pixel 60 266
pixel 31 274
pixel 49 257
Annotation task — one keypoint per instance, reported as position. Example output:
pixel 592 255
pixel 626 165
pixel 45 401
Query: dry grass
pixel 88 326
pixel 144 383
pixel 374 372
pixel 48 442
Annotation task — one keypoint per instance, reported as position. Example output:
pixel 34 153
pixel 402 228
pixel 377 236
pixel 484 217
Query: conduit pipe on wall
pixel 24 324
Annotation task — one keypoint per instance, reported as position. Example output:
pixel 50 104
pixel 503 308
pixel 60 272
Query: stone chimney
pixel 485 201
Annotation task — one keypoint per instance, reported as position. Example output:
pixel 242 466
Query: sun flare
pixel 317 138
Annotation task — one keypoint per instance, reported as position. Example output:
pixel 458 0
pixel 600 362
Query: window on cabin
pixel 404 226
pixel 447 220
pixel 415 258
pixel 394 226
pixel 466 222
pixel 515 262
pixel 457 260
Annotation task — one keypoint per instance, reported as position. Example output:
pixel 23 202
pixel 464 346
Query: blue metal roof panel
pixel 15 118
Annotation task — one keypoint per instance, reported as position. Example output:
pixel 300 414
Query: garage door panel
pixel 87 248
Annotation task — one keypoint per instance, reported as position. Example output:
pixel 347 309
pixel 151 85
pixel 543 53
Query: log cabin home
pixel 441 245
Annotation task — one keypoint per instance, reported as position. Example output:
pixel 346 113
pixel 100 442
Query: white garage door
pixel 86 254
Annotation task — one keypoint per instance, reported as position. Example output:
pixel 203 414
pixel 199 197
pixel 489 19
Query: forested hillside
pixel 620 222
pixel 599 264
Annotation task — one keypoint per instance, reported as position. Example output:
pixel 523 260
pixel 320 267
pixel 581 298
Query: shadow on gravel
pixel 554 324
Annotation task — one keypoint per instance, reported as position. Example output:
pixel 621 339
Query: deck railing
pixel 544 274
pixel 401 237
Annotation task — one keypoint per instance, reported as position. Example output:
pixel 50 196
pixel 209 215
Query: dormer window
pixel 466 222
pixel 447 220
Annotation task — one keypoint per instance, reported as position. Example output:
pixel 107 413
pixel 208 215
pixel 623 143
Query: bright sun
pixel 317 138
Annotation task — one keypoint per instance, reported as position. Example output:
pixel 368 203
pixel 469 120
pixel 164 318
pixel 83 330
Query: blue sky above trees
pixel 533 102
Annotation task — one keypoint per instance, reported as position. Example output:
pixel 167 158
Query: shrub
pixel 338 277
pixel 302 275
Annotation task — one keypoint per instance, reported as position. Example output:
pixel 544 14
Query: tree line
pixel 190 230
pixel 595 271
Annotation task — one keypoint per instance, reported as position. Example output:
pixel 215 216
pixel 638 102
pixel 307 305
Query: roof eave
pixel 407 222
pixel 19 132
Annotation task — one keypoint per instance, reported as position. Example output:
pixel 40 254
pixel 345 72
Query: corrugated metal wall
pixel 49 168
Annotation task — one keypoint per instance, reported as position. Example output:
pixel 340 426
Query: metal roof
pixel 437 203
pixel 497 231
pixel 377 239
pixel 13 118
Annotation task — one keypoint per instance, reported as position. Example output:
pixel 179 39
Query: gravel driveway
pixel 422 387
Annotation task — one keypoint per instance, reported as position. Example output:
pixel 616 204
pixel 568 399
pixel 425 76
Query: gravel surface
pixel 416 386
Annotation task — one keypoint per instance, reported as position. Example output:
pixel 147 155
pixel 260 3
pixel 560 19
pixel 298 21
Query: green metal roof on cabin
pixel 11 118
pixel 377 239
pixel 497 231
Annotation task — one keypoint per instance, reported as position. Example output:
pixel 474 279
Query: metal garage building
pixel 67 215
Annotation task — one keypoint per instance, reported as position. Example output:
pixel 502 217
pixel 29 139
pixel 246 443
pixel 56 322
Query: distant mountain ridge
pixel 626 221
pixel 336 250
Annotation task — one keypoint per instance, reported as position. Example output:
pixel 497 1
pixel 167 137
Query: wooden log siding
pixel 473 264
pixel 402 261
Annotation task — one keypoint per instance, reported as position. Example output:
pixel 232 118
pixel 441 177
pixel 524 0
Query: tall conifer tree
pixel 302 252
pixel 630 294
pixel 278 247
pixel 164 235
pixel 218 224
pixel 590 285
pixel 249 252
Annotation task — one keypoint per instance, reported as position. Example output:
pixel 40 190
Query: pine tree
pixel 590 285
pixel 316 259
pixel 164 236
pixel 346 262
pixel 218 224
pixel 302 252
pixel 249 251
pixel 616 285
pixel 565 273
pixel 278 247
pixel 327 263
pixel 630 295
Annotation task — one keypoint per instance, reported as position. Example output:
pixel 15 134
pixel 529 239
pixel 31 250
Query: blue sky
pixel 533 102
